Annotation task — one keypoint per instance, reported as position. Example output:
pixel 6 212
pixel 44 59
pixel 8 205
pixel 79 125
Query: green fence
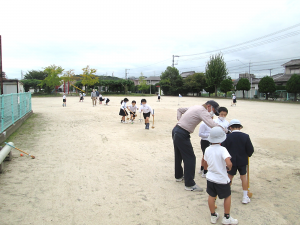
pixel 13 108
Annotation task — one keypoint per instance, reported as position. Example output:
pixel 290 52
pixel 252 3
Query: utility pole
pixel 173 59
pixel 1 75
pixel 126 73
pixel 250 80
pixel 270 71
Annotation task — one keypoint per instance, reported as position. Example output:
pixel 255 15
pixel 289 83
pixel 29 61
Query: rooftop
pixel 294 62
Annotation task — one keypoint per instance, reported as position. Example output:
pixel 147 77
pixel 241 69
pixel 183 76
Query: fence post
pixel 12 109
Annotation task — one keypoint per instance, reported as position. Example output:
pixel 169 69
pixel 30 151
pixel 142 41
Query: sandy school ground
pixel 91 169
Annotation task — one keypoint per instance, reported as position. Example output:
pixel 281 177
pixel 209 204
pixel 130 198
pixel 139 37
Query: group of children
pixel 223 156
pixel 145 108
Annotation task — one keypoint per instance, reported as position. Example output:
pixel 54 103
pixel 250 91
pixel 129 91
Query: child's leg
pixel 244 182
pixel 227 204
pixel 147 119
pixel 123 118
pixel 231 178
pixel 211 203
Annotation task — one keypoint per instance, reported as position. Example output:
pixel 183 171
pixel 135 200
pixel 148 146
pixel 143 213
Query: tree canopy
pixel 293 85
pixel 226 85
pixel 215 71
pixel 244 85
pixel 143 84
pixel 52 78
pixel 35 74
pixel 195 83
pixel 266 85
pixel 171 82
pixel 88 76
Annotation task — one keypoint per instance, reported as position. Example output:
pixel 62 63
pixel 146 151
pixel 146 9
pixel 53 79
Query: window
pixel 293 71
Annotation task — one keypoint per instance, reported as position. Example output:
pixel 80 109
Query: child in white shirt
pixel 123 111
pixel 221 120
pixel 218 161
pixel 147 110
pixel 64 100
pixel 132 108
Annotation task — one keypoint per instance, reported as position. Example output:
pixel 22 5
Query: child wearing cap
pixel 240 148
pixel 217 159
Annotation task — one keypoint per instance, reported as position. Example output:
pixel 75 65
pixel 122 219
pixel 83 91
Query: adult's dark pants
pixel 183 151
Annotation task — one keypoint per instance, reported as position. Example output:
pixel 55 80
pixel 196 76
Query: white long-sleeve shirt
pixel 123 105
pixel 146 108
pixel 204 131
pixel 223 123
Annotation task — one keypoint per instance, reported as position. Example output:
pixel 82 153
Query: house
pixel 149 80
pixel 292 67
pixel 186 74
pixel 12 86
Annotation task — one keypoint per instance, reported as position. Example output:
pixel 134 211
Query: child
pixel 158 96
pixel 80 97
pixel 233 100
pixel 132 108
pixel 64 100
pixel 240 148
pixel 204 132
pixel 221 120
pixel 146 112
pixel 217 159
pixel 106 100
pixel 100 99
pixel 123 111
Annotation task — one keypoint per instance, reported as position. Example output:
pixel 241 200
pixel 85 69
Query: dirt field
pixel 91 169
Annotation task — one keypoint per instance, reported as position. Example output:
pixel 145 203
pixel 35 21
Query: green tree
pixel 215 71
pixel 293 85
pixel 53 78
pixel 266 85
pixel 31 83
pixel 226 85
pixel 68 76
pixel 171 82
pixel 244 85
pixel 143 83
pixel 35 74
pixel 195 83
pixel 88 77
pixel 209 89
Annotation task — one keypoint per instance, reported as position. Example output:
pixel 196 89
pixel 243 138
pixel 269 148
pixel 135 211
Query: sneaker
pixel 180 179
pixel 229 221
pixel 213 219
pixel 193 188
pixel 203 175
pixel 246 200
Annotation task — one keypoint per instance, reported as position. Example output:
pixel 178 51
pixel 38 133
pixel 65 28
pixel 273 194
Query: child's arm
pixel 228 163
pixel 205 164
pixel 249 147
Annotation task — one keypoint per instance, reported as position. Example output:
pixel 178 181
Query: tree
pixel 171 82
pixel 53 78
pixel 266 85
pixel 31 83
pixel 35 74
pixel 68 76
pixel 88 77
pixel 143 83
pixel 215 71
pixel 226 85
pixel 209 89
pixel 293 85
pixel 244 85
pixel 195 83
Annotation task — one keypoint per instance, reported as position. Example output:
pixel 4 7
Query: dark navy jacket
pixel 240 147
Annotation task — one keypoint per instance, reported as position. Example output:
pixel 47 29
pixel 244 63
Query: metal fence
pixel 13 108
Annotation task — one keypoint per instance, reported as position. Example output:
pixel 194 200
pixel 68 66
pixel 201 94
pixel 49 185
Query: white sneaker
pixel 193 188
pixel 213 219
pixel 203 175
pixel 246 200
pixel 229 221
pixel 180 179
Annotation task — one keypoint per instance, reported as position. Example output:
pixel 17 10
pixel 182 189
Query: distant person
pixel 147 110
pixel 240 148
pixel 80 97
pixel 158 97
pixel 100 98
pixel 64 100
pixel 233 100
pixel 106 100
pixel 94 97
pixel 188 119
pixel 218 162
pixel 97 93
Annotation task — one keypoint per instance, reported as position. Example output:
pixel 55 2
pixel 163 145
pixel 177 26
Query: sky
pixel 142 36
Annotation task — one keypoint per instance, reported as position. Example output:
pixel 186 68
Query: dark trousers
pixel 183 151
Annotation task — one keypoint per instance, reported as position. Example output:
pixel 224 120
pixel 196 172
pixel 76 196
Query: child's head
pixel 133 102
pixel 235 125
pixel 217 135
pixel 126 100
pixel 223 111
pixel 143 101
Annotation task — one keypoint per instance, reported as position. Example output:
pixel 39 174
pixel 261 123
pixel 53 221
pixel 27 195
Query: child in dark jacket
pixel 240 148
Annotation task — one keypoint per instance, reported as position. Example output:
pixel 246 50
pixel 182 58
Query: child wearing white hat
pixel 217 159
